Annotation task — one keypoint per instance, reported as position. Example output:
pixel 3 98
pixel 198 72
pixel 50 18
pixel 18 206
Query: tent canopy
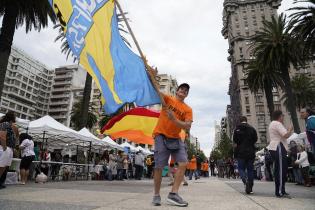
pixel 113 144
pixel 132 148
pixel 56 134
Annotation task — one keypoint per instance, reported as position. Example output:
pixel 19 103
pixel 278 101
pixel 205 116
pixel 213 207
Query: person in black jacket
pixel 244 139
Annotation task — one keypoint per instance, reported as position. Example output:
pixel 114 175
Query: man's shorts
pixel 6 157
pixel 162 154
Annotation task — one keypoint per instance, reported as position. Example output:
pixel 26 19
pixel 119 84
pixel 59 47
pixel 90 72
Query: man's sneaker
pixel 176 200
pixel 156 200
pixel 185 184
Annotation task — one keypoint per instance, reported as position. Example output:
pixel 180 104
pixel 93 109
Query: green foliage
pixel 303 87
pixel 276 48
pixel 224 149
pixel 76 116
pixel 215 154
pixel 303 21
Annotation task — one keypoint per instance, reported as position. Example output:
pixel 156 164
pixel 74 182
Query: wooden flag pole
pixel 151 76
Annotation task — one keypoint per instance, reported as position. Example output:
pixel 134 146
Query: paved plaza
pixel 206 193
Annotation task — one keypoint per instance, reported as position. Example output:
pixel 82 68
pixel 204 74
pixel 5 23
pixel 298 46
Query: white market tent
pixel 132 148
pixel 113 144
pixel 96 141
pixel 145 151
pixel 47 129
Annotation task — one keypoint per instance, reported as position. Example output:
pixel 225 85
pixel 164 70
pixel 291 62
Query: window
pixel 247 109
pixel 276 98
pixel 277 107
pixel 246 100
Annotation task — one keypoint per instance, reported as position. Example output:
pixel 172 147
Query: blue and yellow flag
pixel 91 29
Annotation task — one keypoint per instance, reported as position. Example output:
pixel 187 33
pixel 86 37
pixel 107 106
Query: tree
pixel 76 117
pixel 225 146
pixel 303 21
pixel 274 44
pixel 260 78
pixel 215 154
pixel 303 90
pixel 34 13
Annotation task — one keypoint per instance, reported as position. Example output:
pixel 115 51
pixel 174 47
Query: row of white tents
pixel 57 136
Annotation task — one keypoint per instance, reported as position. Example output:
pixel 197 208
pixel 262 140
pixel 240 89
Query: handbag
pixel 171 144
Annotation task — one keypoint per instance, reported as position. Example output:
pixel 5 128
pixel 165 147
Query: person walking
pixel 244 139
pixel 139 165
pixel 175 116
pixel 28 155
pixel 302 162
pixel 309 116
pixel 212 166
pixel 8 136
pixel 278 148
pixel 193 168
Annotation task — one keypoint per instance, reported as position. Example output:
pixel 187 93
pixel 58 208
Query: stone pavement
pixel 206 193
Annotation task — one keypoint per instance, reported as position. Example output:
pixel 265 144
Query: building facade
pixel 242 19
pixel 27 86
pixel 67 90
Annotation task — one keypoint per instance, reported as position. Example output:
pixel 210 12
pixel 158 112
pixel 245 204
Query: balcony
pixel 61 89
pixel 65 102
pixel 60 96
pixel 59 109
pixel 61 82
pixel 63 76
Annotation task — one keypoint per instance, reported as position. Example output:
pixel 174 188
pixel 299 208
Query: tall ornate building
pixel 241 21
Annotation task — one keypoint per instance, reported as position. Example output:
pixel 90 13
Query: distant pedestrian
pixel 28 155
pixel 212 166
pixel 244 138
pixel 278 148
pixel 139 165
pixel 193 168
pixel 309 116
pixel 302 161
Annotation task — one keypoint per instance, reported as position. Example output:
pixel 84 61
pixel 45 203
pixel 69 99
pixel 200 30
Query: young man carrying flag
pixel 175 115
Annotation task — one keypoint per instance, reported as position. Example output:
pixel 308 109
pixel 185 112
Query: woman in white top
pixel 28 155
pixel 302 161
pixel 278 148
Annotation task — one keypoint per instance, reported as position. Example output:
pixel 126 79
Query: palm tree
pixel 34 13
pixel 303 90
pixel 274 44
pixel 303 21
pixel 76 117
pixel 260 78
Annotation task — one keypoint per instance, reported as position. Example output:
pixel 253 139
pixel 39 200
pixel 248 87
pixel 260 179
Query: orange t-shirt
pixel 167 127
pixel 188 165
pixel 193 164
pixel 205 166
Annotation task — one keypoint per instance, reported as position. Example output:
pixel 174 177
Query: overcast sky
pixel 182 38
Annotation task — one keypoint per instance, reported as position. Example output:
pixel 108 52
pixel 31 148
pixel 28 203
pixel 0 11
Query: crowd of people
pixel 279 161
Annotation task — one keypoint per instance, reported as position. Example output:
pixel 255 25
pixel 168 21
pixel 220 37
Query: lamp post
pixel 196 144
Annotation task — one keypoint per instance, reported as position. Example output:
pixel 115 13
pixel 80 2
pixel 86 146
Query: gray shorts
pixel 162 154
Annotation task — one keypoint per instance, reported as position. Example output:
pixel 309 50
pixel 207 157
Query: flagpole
pixel 151 76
